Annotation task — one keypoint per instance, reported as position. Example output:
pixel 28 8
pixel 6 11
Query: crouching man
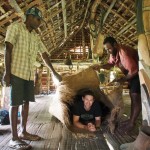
pixel 87 112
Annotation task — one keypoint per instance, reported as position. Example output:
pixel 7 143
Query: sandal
pixel 30 137
pixel 19 145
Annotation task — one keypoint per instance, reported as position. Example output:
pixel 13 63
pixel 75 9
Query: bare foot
pixel 125 122
pixel 28 136
pixel 126 128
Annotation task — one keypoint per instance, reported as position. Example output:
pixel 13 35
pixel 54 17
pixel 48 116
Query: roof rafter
pixel 109 10
pixel 64 16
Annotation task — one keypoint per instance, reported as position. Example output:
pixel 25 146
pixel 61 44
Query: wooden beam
pixel 83 44
pixel 60 10
pixel 108 11
pixel 74 32
pixel 9 18
pixel 59 21
pixel 126 7
pixel 94 8
pixel 2 30
pixel 73 11
pixel 71 27
pixel 114 12
pixel 126 38
pixel 5 15
pixel 33 3
pixel 124 28
pixel 1 8
pixel 63 2
pixel 52 7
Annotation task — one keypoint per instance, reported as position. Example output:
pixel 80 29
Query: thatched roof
pixel 68 22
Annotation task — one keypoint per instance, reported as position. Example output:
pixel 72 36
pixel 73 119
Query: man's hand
pixel 95 67
pixel 47 61
pixel 57 76
pixel 6 79
pixel 121 80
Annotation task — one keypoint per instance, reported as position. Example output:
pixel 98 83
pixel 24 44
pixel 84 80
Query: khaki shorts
pixel 21 91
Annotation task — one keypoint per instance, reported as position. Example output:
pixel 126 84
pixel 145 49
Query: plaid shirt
pixel 26 45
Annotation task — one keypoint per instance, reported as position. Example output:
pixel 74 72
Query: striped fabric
pixel 26 45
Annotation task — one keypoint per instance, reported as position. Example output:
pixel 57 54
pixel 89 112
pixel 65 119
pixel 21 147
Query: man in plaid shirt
pixel 21 47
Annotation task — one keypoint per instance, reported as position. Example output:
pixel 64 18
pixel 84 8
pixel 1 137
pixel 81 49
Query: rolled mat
pixel 72 84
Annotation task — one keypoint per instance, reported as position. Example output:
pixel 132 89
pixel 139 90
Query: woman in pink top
pixel 126 58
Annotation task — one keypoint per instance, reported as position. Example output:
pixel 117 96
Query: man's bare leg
pixel 24 134
pixel 15 142
pixel 24 117
pixel 13 115
pixel 135 111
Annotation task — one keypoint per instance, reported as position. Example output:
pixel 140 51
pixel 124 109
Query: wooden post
pixel 48 81
pixel 93 29
pixel 143 29
pixel 83 44
pixel 98 48
pixel 37 81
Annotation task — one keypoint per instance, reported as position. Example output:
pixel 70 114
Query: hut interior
pixel 73 33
